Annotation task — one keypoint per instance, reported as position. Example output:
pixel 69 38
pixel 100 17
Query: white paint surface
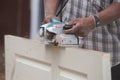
pixel 29 60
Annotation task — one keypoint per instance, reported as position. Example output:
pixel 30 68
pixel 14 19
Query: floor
pixel 2 76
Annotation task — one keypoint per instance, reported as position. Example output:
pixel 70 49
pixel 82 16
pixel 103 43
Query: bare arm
pixel 110 14
pixel 51 7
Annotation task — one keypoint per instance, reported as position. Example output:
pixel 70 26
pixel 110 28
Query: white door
pixel 30 60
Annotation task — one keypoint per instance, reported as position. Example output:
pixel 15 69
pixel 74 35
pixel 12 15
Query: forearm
pixel 51 7
pixel 110 14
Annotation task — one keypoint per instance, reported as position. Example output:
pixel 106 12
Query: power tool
pixel 52 33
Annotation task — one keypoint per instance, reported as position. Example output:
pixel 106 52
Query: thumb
pixel 72 22
pixel 69 31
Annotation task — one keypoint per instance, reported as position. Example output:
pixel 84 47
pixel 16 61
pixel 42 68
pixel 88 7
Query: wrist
pixel 50 16
pixel 50 13
pixel 92 22
pixel 97 21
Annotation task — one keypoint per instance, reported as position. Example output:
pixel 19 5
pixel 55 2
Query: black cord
pixel 111 1
pixel 61 6
pixel 77 40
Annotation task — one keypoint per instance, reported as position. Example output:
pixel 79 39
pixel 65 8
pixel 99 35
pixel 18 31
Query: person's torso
pixel 83 8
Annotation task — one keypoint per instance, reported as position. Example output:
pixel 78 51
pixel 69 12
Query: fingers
pixel 71 30
pixel 81 33
pixel 73 22
pixel 72 25
pixel 70 22
pixel 77 30
pixel 48 18
pixel 45 21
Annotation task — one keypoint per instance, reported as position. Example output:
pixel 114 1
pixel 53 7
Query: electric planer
pixel 52 33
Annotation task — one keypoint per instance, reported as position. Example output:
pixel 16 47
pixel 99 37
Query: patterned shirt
pixel 105 38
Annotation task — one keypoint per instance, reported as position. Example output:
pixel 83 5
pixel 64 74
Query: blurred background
pixel 19 18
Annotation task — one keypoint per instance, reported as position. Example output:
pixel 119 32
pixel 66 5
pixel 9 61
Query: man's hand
pixel 48 18
pixel 81 26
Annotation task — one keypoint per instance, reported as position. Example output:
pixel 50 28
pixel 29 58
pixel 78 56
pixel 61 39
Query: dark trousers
pixel 116 72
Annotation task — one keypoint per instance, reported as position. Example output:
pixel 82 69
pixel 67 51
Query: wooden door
pixel 30 60
pixel 15 20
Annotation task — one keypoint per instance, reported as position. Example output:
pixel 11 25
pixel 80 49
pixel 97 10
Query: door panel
pixel 30 60
pixel 28 67
pixel 72 75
